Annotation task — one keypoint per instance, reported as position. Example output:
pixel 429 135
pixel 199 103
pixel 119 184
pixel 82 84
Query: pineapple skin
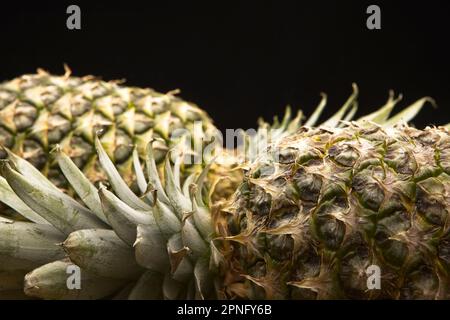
pixel 324 205
pixel 39 111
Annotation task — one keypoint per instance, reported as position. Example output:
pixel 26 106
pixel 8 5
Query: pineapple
pixel 310 215
pixel 39 111
pixel 323 205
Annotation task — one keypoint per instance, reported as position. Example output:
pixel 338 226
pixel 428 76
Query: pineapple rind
pixel 39 111
pixel 323 205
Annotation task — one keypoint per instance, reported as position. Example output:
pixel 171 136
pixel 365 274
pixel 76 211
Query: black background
pixel 242 59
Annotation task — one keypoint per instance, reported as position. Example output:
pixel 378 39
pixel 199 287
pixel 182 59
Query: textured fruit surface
pixel 39 111
pixel 325 204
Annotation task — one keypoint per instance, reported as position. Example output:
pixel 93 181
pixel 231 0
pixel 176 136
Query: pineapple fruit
pixel 39 111
pixel 326 204
pixel 305 220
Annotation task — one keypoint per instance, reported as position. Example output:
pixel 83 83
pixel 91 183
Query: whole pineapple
pixel 309 217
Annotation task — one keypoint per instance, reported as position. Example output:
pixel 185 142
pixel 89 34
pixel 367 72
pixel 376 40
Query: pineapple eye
pixel 123 147
pixel 258 269
pixel 159 148
pixel 280 247
pixel 79 105
pixel 28 81
pixel 444 249
pixel 260 201
pixel 93 89
pixel 344 155
pixel 34 153
pixel 431 207
pixel 332 189
pixel 50 95
pixel 81 151
pixel 394 223
pixel 370 192
pixel 42 96
pixel 329 229
pixel 306 265
pixel 381 236
pixel 372 134
pixel 427 138
pixel 6 97
pixel 308 185
pixel 286 156
pixel 118 105
pixel 59 127
pixel 122 152
pixel 400 159
pixel 444 155
pixel 25 115
pixel 422 283
pixel 306 158
pixel 6 139
pixel 394 203
pixel 353 270
pixel 393 251
pixel 142 123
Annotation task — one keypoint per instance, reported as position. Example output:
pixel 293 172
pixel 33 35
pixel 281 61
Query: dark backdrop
pixel 242 59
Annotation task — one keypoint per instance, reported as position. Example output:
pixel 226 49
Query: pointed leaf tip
pixel 334 120
pixel 118 184
pixel 317 112
pixel 409 113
